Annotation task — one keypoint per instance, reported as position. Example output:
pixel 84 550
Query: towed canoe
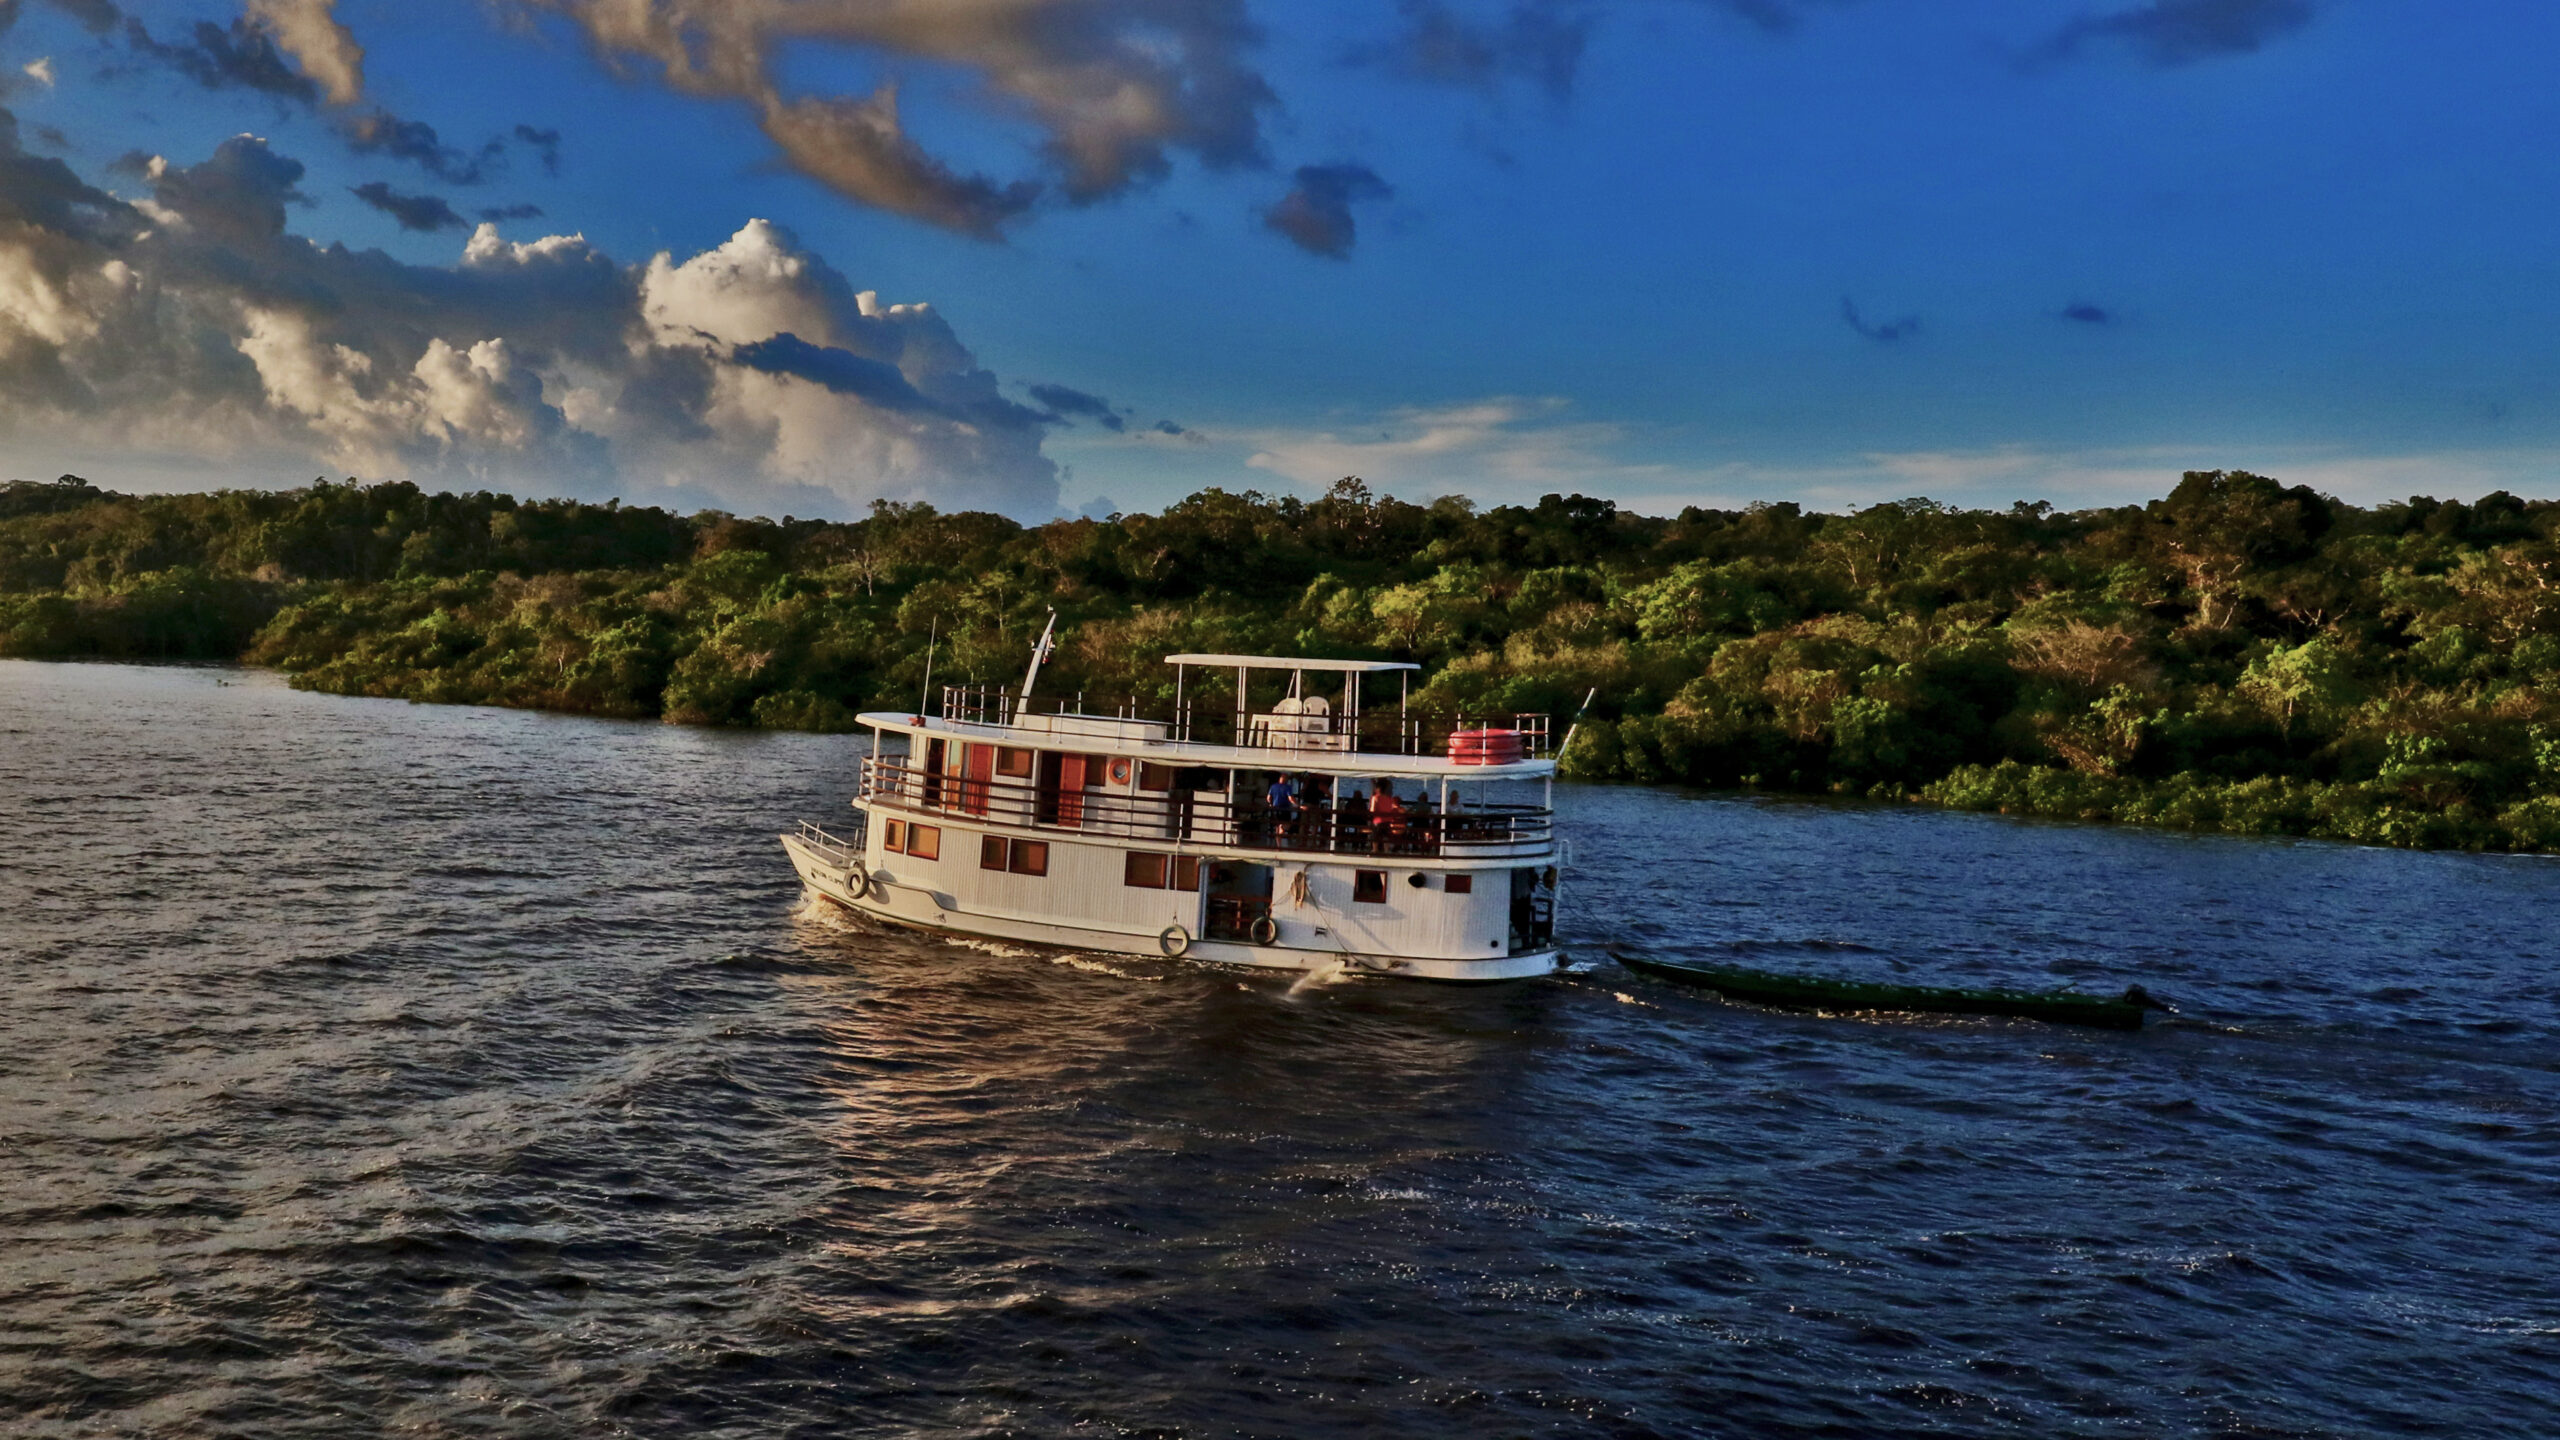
pixel 1805 992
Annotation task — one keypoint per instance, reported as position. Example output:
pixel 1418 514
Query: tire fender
pixel 1174 941
pixel 857 881
pixel 1264 930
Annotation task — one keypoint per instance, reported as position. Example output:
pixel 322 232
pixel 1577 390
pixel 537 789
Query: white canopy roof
pixel 1284 662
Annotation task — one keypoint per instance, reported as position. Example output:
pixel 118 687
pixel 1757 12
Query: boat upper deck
pixel 1239 711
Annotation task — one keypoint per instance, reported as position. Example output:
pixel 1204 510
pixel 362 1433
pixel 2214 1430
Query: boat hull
pixel 917 907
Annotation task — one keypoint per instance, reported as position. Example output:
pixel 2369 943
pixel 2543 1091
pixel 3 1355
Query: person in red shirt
pixel 1386 815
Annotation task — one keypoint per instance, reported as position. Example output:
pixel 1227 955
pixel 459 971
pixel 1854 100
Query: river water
pixel 372 1068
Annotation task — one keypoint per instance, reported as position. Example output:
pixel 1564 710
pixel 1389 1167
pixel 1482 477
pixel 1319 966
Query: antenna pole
pixel 1039 653
pixel 924 701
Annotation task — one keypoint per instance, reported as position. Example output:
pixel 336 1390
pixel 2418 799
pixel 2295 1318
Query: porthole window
pixel 1369 887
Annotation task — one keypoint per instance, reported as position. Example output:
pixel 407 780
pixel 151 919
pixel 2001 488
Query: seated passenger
pixel 1386 815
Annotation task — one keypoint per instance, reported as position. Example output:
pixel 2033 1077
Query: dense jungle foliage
pixel 2239 655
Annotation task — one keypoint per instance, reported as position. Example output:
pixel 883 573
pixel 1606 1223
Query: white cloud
pixel 40 70
pixel 751 376
pixel 1500 448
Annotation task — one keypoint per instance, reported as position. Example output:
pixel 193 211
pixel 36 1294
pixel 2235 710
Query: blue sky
pixel 1667 251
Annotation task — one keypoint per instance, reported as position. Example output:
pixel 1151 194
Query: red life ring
pixel 1120 771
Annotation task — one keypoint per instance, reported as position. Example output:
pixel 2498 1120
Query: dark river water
pixel 369 1068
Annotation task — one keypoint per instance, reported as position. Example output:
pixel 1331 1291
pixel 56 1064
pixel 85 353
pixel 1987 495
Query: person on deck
pixel 1386 815
pixel 1354 819
pixel 1281 803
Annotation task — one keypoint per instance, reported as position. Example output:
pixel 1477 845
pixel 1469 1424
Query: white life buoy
pixel 1264 930
pixel 1174 940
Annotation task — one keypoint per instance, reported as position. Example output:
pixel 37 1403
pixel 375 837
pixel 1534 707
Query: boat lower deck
pixel 839 877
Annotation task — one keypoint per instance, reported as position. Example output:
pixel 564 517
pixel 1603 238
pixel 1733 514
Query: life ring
pixel 1263 931
pixel 1120 770
pixel 1174 941
pixel 857 881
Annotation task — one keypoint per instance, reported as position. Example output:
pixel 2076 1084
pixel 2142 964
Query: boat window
pixel 1014 763
pixel 1152 777
pixel 1030 857
pixel 896 839
pixel 1369 887
pixel 1459 884
pixel 990 852
pixel 1144 871
pixel 1186 872
pixel 924 842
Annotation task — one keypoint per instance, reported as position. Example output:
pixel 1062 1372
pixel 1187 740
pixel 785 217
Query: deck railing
pixel 1210 818
pixel 1370 733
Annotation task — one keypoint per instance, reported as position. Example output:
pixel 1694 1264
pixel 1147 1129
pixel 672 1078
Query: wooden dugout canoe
pixel 1808 992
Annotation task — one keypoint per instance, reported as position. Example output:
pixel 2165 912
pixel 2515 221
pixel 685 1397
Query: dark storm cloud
pixel 545 145
pixel 379 132
pixel 1167 427
pixel 875 381
pixel 1887 332
pixel 425 213
pixel 1062 403
pixel 95 16
pixel 511 212
pixel 1777 17
pixel 1537 40
pixel 2087 314
pixel 2169 33
pixel 241 58
pixel 1316 216
pixel 43 192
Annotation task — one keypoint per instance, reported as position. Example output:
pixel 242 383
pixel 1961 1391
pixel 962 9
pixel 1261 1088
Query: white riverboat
pixel 1269 820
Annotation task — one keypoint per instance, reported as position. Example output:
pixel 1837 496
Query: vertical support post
pixel 1181 716
pixel 1243 711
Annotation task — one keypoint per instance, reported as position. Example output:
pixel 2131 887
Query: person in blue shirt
pixel 1281 802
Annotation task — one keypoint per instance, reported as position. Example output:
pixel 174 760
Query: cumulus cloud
pixel 191 320
pixel 309 31
pixel 1063 403
pixel 1316 214
pixel 2169 33
pixel 1114 87
pixel 426 213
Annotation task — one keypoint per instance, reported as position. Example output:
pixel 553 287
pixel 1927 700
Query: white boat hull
pixel 841 880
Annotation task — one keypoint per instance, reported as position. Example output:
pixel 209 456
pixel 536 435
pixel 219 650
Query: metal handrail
pixel 818 837
pixel 1375 733
pixel 1203 819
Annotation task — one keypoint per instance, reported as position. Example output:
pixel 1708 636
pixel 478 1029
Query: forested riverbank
pixel 2239 655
